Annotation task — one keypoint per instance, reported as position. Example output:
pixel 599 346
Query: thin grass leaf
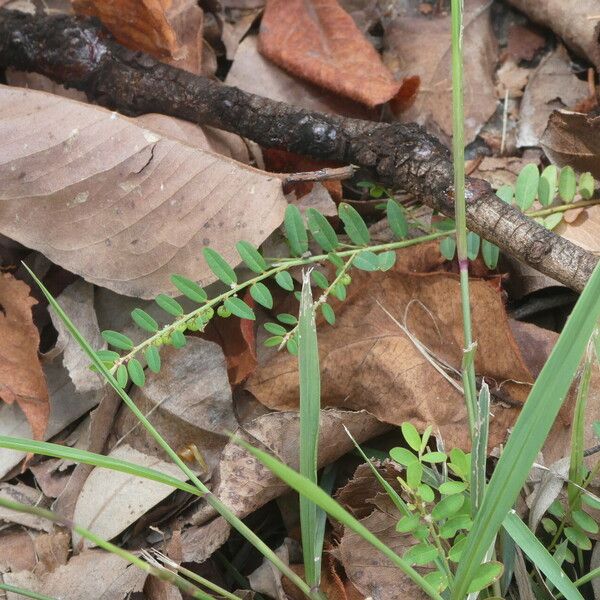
pixel 480 445
pixel 539 556
pixel 23 592
pixel 260 292
pixel 251 256
pixel 354 225
pixel 530 432
pixel 117 340
pixel 335 510
pixel 143 320
pixel 190 289
pixel 211 500
pixel 295 231
pixel 310 408
pixel 239 308
pixel 321 230
pixel 169 305
pixel 219 266
pixel 152 355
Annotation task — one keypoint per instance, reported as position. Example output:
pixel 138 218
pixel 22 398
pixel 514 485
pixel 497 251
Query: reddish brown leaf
pixel 168 29
pixel 21 377
pixel 317 40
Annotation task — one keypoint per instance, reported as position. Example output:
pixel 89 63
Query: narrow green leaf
pixel 142 319
pixel 434 457
pixel 547 185
pixel 336 261
pixel 473 241
pixel 319 279
pixel 273 341
pixel 108 356
pixel 219 266
pixel 490 253
pixel 551 221
pixel 421 554
pixel 408 523
pixel 448 247
pixel 285 281
pixel 506 193
pixel 239 308
pixel 567 184
pixel 189 288
pixel 354 225
pixel 339 291
pixel 366 261
pixel 414 474
pixel 117 340
pixel 152 356
pixel 122 376
pixel 136 372
pixel 529 433
pixel 451 527
pixel 178 339
pixel 328 313
pixel 292 346
pixel 452 487
pixel 396 219
pixel 578 538
pixel 587 185
pixel 169 305
pixel 527 186
pixel 585 521
pixel 251 256
pixel 386 260
pixel 260 292
pixel 321 230
pixel 23 592
pixel 295 231
pixel 275 328
pixel 402 456
pixel 287 318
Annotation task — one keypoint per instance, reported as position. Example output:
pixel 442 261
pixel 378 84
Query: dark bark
pixel 80 54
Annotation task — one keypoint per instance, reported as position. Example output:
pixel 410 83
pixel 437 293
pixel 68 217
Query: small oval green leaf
pixel 527 186
pixel 136 372
pixel 275 328
pixel 448 247
pixel 107 356
pixel 189 288
pixel 473 242
pixel 117 340
pixel 285 281
pixel 506 193
pixel 547 185
pixel 152 356
pixel 321 230
pixel 421 554
pixel 142 319
pixel 292 346
pixel 251 256
pixel 319 279
pixel 396 219
pixel 295 231
pixel 490 253
pixel 239 308
pixel 273 341
pixel 287 318
pixel 328 313
pixel 487 573
pixel 551 221
pixel 386 260
pixel 578 538
pixel 411 435
pixel 447 507
pixel 366 261
pixel 452 487
pixel 219 266
pixel 354 225
pixel 260 292
pixel 567 184
pixel 178 339
pixel 407 523
pixel 587 185
pixel 122 376
pixel 402 456
pixel 169 305
pixel 585 521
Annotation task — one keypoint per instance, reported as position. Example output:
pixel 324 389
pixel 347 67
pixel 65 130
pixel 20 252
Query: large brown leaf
pixel 119 204
pixel 318 40
pixel 368 362
pixel 21 376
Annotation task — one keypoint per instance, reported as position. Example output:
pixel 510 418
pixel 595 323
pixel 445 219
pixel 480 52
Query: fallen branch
pixel 80 54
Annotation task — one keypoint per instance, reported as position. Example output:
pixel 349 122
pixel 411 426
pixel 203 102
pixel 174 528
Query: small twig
pixel 504 123
pixel 325 174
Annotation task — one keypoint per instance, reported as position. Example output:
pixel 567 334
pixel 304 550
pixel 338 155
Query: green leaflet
pixel 547 185
pixel 239 308
pixel 219 266
pixel 527 186
pixel 295 231
pixel 587 185
pixel 118 340
pixel 169 305
pixel 366 261
pixel 251 256
pixel 189 288
pixel 260 292
pixel 354 225
pixel 142 319
pixel 490 253
pixel 285 281
pixel 136 372
pixel 321 230
pixel 328 313
pixel 396 219
pixel 567 184
pixel 152 356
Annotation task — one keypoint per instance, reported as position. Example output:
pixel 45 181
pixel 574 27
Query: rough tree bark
pixel 80 54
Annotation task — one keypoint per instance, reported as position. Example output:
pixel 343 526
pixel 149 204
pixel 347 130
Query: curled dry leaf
pixel 552 86
pixel 21 377
pixel 91 574
pixel 168 29
pixel 368 362
pixel 89 188
pixel 420 45
pixel 318 41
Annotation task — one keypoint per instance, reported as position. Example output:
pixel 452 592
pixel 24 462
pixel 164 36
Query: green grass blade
pixel 97 460
pixel 27 593
pixel 310 408
pixel 327 482
pixel 331 507
pixel 539 556
pixel 480 444
pixel 212 500
pixel 530 432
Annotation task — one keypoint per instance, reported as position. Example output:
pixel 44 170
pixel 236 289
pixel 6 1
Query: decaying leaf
pixel 584 230
pixel 19 492
pixel 573 138
pixel 253 73
pixel 111 501
pixel 91 574
pixel 168 29
pixel 503 170
pixel 200 413
pixel 21 377
pixel 88 188
pixel 367 362
pixel 25 550
pixel 318 41
pixel 552 86
pixel 420 45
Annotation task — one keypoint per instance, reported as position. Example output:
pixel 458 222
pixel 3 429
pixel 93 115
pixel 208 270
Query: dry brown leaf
pixel 119 204
pixel 157 589
pixel 198 543
pixel 111 501
pixel 253 73
pixel 367 362
pixel 503 170
pixel 584 231
pixel 512 79
pixel 551 86
pixel 420 45
pixel 19 492
pixel 524 42
pixel 21 377
pixel 168 29
pixel 28 551
pixel 573 139
pixel 91 574
pixel 318 41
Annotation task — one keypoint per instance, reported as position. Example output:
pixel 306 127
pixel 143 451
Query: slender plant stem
pixel 543 212
pixel 27 593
